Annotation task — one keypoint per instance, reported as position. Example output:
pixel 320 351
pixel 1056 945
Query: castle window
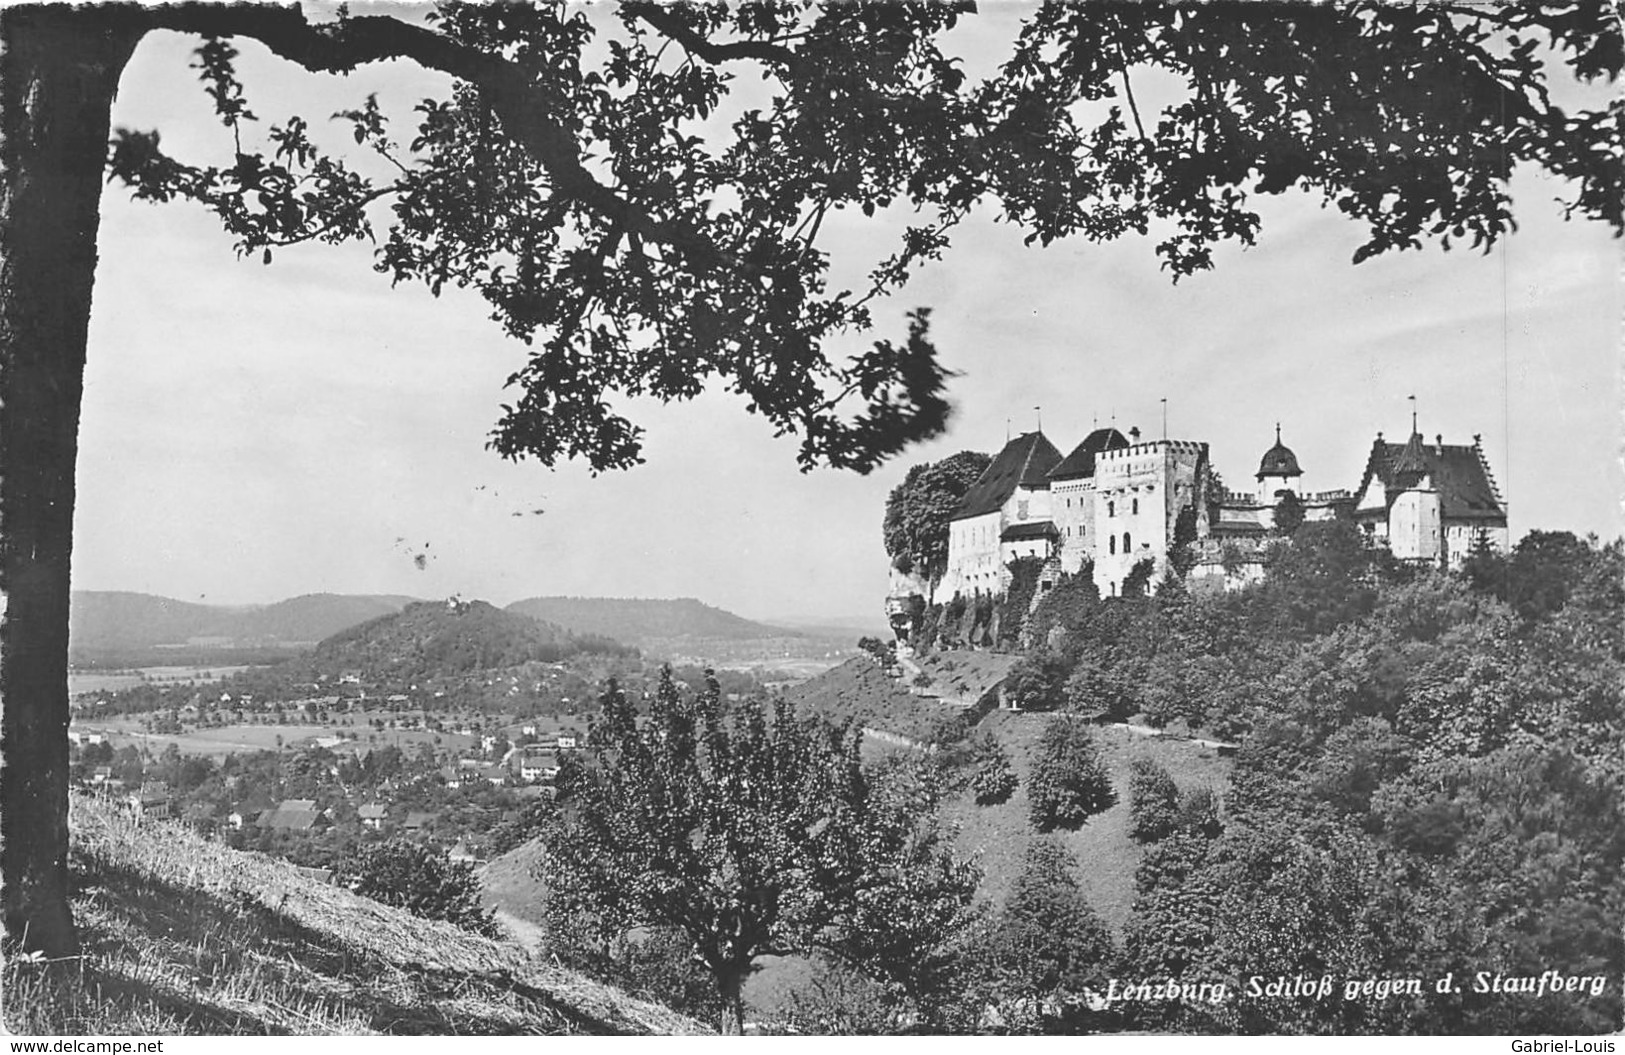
pixel 1126 545
pixel 1111 543
pixel 1111 509
pixel 1136 508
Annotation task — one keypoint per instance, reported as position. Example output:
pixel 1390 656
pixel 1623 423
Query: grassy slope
pixel 185 936
pixel 515 893
pixel 997 836
pixel 858 689
pixel 964 677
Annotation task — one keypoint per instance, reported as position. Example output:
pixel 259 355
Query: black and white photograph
pixel 812 517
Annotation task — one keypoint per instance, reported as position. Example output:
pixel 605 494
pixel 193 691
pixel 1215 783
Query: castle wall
pixel 1072 508
pixel 1026 504
pixel 973 556
pixel 1414 531
pixel 1461 536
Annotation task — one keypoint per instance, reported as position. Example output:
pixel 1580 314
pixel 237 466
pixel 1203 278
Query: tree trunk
pixel 731 985
pixel 58 74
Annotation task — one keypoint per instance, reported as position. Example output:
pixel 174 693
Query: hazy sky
pixel 252 433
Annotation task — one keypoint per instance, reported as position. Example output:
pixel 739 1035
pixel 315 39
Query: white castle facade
pixel 1117 500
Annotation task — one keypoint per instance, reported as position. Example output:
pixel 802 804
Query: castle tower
pixel 1414 523
pixel 1072 497
pixel 1277 471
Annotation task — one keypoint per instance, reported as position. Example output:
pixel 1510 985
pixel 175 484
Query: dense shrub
pixel 994 780
pixel 927 629
pixel 883 652
pixel 1153 801
pixel 1067 607
pixel 424 881
pixel 1018 598
pixel 1138 581
pixel 1036 681
pixel 1068 783
pixel 1046 946
pixel 1199 813
pixel 1100 686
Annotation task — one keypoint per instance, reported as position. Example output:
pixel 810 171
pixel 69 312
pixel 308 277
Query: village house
pixel 150 802
pixel 293 815
pixel 372 816
pixel 538 767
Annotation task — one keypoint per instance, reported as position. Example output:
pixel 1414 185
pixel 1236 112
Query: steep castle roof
pixel 1466 489
pixel 1412 464
pixel 1032 529
pixel 1081 462
pixel 1024 462
pixel 1279 460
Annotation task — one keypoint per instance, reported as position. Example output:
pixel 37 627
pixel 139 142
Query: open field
pixel 97 681
pixel 217 743
pixel 88 681
pixel 189 675
pixel 248 737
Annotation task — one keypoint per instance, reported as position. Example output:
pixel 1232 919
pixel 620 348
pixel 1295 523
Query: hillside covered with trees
pixel 1421 829
pixel 438 638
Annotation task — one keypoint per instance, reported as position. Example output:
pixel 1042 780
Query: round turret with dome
pixel 1278 470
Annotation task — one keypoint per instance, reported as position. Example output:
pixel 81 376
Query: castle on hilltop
pixel 1116 501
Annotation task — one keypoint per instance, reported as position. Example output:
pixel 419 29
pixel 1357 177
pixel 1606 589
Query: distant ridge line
pixel 634 619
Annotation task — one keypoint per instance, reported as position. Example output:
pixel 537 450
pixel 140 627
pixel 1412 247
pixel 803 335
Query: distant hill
pixel 315 616
pixel 639 620
pixel 103 621
pixel 182 935
pixel 449 637
pixel 116 622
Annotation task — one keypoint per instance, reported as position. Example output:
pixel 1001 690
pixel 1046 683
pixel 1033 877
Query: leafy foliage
pixel 1034 682
pixel 1434 787
pixel 1068 782
pixel 1018 598
pixel 993 781
pixel 918 510
pixel 563 180
pixel 1046 946
pixel 422 880
pixel 1288 514
pixel 752 834
pixel 1153 801
pixel 1137 583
